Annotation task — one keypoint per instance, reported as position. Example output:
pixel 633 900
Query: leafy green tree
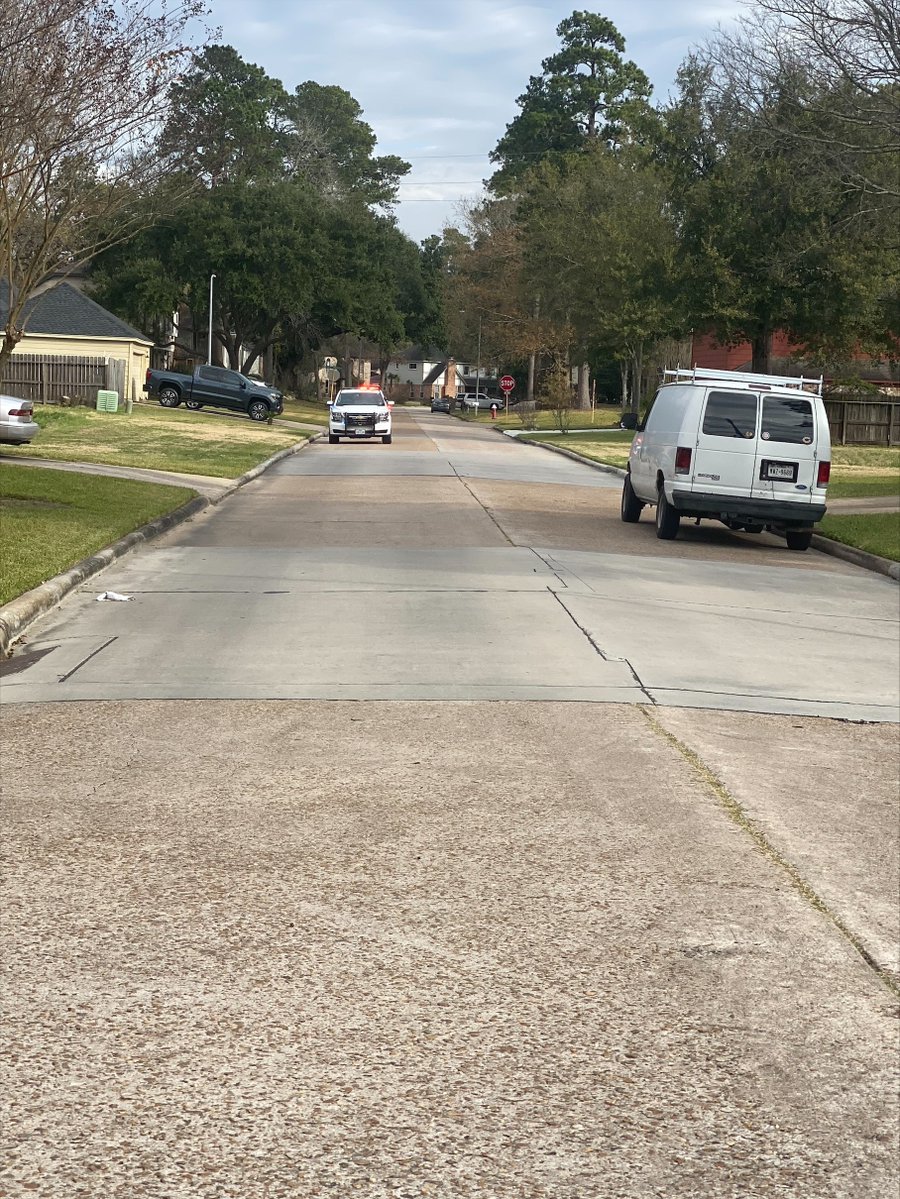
pixel 600 242
pixel 586 92
pixel 232 122
pixel 768 238
pixel 333 146
pixel 227 121
pixel 84 86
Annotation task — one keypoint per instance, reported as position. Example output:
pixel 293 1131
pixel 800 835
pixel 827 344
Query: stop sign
pixel 507 383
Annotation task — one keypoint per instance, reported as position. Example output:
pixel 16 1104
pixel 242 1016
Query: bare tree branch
pixel 85 88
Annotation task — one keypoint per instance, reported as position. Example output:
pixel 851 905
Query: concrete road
pixel 628 929
pixel 456 564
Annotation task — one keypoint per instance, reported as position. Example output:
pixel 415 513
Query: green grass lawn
pixel 878 532
pixel 846 485
pixel 305 412
pixel 609 447
pixel 51 519
pixel 194 443
pixel 601 418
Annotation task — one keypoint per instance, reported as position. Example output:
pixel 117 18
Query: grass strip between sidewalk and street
pixel 875 532
pixel 52 519
pixel 222 446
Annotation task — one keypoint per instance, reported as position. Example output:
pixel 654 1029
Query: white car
pixel 16 424
pixel 474 400
pixel 752 451
pixel 357 413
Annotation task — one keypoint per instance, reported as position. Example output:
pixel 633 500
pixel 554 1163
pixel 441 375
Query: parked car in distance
pixel 471 401
pixel 752 451
pixel 17 426
pixel 215 387
pixel 357 413
pixel 440 404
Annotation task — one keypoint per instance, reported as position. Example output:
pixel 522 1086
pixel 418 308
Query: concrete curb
pixel 576 457
pixel 847 553
pixel 20 613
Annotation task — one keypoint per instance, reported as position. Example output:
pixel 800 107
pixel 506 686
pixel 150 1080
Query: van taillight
pixel 824 474
pixel 683 460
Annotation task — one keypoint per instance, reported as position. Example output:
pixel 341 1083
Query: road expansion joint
pixel 735 811
pixel 597 648
pixel 486 510
pixel 84 661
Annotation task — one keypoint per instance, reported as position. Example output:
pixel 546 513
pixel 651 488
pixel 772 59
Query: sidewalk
pixel 208 485
pixel 866 503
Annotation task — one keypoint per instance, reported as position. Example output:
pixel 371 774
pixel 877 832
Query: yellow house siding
pixel 136 354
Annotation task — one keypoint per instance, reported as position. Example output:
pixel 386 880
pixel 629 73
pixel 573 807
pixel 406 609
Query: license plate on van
pixel 786 471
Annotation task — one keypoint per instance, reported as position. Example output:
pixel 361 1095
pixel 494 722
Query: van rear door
pixel 786 451
pixel 725 453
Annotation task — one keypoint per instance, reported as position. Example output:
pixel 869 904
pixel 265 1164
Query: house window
pixel 414 366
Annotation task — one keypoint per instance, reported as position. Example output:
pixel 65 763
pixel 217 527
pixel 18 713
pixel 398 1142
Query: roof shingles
pixel 64 311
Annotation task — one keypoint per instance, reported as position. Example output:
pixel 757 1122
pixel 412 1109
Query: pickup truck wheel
pixel 194 405
pixel 169 397
pixel 667 518
pixel 258 410
pixel 333 439
pixel 387 439
pixel 631 505
pixel 798 539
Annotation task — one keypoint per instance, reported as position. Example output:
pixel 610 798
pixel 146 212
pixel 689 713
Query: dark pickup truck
pixel 215 387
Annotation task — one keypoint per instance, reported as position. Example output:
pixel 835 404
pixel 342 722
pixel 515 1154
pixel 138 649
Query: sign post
pixel 507 383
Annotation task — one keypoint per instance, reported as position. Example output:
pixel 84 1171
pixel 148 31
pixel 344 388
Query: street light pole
pixel 209 338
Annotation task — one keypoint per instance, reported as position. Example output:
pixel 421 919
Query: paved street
pixel 420 829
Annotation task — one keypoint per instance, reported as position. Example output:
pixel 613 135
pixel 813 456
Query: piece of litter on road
pixel 113 595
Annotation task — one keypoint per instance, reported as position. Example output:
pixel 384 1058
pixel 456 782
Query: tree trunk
pixel 348 365
pixel 584 387
pixel 637 378
pixel 762 352
pixel 532 358
pixel 10 341
pixel 625 372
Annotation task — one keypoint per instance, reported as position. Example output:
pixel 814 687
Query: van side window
pixel 730 414
pixel 787 420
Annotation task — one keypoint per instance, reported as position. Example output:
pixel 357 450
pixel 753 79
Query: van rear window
pixel 730 414
pixel 787 419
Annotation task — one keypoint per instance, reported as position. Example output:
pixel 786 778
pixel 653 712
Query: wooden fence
pixel 857 420
pixel 61 378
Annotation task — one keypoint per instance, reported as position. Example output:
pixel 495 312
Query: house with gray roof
pixel 63 321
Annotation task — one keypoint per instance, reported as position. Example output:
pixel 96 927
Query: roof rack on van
pixel 697 374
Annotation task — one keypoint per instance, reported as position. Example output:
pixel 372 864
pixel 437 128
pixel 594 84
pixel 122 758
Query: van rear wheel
pixel 667 518
pixel 631 505
pixel 798 539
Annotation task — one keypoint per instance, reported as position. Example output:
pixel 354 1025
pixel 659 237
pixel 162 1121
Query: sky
pixel 438 79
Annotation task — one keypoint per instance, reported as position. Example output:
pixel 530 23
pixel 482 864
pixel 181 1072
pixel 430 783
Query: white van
pixel 753 451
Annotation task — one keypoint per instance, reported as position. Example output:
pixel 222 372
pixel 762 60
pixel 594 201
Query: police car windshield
pixel 371 398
